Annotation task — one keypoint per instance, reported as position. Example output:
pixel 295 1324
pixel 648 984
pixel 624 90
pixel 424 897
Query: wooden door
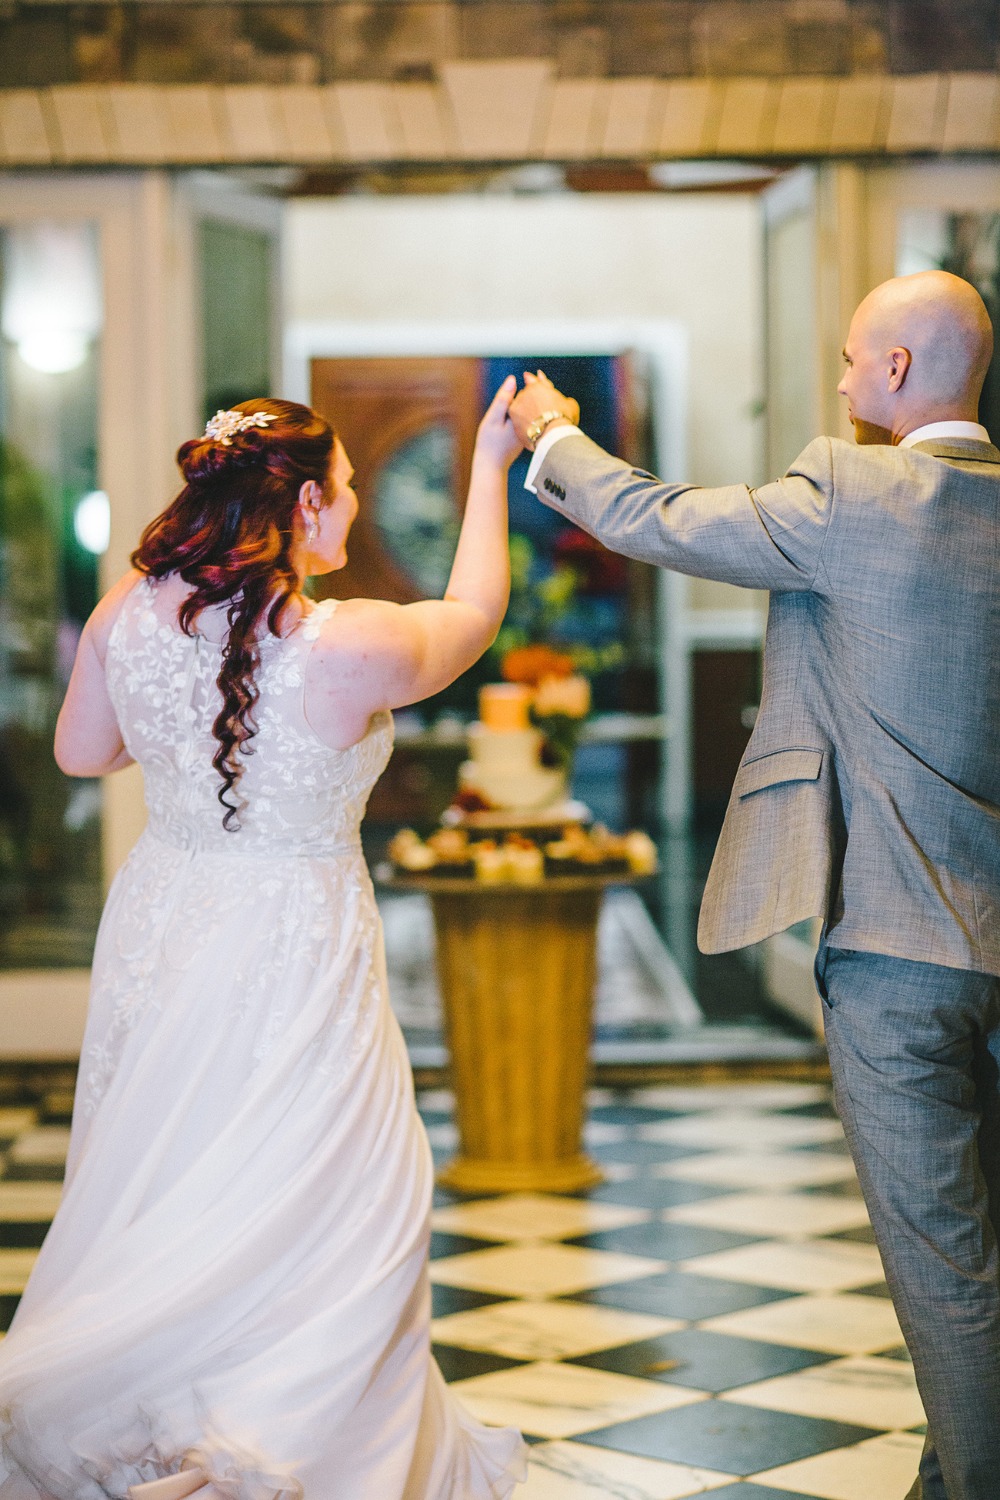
pixel 382 410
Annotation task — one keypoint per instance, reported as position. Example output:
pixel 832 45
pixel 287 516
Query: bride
pixel 233 1300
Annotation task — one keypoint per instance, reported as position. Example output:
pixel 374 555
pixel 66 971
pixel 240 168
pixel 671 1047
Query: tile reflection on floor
pixel 710 1320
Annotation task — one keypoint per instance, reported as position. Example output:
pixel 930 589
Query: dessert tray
pixel 512 823
pixel 521 857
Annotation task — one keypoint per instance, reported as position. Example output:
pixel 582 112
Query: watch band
pixel 538 426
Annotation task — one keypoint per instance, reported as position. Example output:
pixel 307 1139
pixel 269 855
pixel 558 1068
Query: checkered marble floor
pixel 711 1319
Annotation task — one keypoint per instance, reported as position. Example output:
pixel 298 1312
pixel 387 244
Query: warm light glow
pixel 92 522
pixel 53 351
pixel 51 294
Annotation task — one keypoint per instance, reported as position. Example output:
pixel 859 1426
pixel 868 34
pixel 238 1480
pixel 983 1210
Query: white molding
pixel 723 629
pixel 662 342
pixel 793 193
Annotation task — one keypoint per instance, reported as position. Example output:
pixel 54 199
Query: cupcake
pixel 609 852
pixel 525 862
pixel 641 853
pixel 409 853
pixel 560 858
pixel 452 852
pixel 490 863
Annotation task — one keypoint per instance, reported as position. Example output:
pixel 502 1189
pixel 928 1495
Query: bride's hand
pixel 496 438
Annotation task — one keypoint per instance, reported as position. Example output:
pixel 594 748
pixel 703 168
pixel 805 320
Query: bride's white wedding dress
pixel 237 1271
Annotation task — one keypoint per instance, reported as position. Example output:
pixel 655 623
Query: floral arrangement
pixel 544 612
pixel 535 645
pixel 560 695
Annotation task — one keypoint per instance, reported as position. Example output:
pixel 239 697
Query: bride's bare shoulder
pixel 365 645
pixel 369 626
pixel 108 608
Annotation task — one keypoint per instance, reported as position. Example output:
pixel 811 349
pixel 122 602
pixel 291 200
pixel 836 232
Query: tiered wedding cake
pixel 505 766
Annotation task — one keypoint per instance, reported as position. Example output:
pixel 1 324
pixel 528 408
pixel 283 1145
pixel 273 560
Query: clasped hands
pixel 504 430
pixel 537 398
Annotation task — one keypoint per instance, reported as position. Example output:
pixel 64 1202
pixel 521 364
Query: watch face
pixel 538 426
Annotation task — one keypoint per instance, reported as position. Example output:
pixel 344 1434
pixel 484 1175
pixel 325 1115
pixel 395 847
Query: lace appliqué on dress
pixel 298 844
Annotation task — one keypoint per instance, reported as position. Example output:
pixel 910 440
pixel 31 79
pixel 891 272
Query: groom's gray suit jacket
pixel 870 791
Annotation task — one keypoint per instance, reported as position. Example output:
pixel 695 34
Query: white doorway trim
pixel 662 342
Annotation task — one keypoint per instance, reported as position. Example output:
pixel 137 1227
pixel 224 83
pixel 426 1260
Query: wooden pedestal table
pixel 517 969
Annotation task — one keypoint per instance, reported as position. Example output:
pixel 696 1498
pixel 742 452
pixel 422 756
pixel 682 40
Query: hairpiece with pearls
pixel 224 426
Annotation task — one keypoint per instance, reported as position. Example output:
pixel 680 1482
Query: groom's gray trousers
pixel 915 1054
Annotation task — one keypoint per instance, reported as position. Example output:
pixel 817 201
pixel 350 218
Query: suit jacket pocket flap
pixel 779 766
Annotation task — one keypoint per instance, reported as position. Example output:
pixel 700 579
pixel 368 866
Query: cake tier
pixel 505 749
pixel 531 786
pixel 504 705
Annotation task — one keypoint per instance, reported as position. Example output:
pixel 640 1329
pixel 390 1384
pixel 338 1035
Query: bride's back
pixel 295 794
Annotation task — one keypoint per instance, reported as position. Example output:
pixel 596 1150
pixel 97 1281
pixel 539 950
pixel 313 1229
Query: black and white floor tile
pixel 711 1319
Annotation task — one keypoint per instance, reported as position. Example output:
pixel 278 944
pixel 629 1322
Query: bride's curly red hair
pixel 229 533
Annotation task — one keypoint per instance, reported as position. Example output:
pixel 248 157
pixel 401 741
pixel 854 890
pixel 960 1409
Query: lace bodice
pixel 297 795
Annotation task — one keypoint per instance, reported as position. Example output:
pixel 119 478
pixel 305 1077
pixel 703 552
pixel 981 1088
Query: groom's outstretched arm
pixel 766 538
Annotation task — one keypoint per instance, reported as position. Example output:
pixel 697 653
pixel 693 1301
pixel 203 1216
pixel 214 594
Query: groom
pixel 869 794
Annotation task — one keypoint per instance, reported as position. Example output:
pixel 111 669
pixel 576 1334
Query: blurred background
pixel 381 209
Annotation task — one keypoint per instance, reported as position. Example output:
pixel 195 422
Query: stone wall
pixel 335 83
pixel 171 41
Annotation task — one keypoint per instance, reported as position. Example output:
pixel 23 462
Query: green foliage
pixel 36 791
pixel 541 602
pixel 29 559
pixel 562 735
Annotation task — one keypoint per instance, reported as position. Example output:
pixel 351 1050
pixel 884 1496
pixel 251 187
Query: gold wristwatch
pixel 538 426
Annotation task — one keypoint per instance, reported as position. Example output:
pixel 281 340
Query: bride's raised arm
pixel 376 655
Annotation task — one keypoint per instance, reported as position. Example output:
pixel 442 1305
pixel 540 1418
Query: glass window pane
pixel 415 509
pixel 236 275
pixel 53 528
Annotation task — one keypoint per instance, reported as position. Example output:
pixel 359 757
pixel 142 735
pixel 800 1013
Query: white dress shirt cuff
pixel 549 436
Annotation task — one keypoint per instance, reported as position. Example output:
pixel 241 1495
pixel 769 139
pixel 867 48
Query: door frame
pixel 144 411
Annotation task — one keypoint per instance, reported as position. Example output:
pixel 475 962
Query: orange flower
pixel 569 696
pixel 529 664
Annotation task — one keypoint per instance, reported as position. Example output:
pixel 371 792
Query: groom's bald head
pixel 917 351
